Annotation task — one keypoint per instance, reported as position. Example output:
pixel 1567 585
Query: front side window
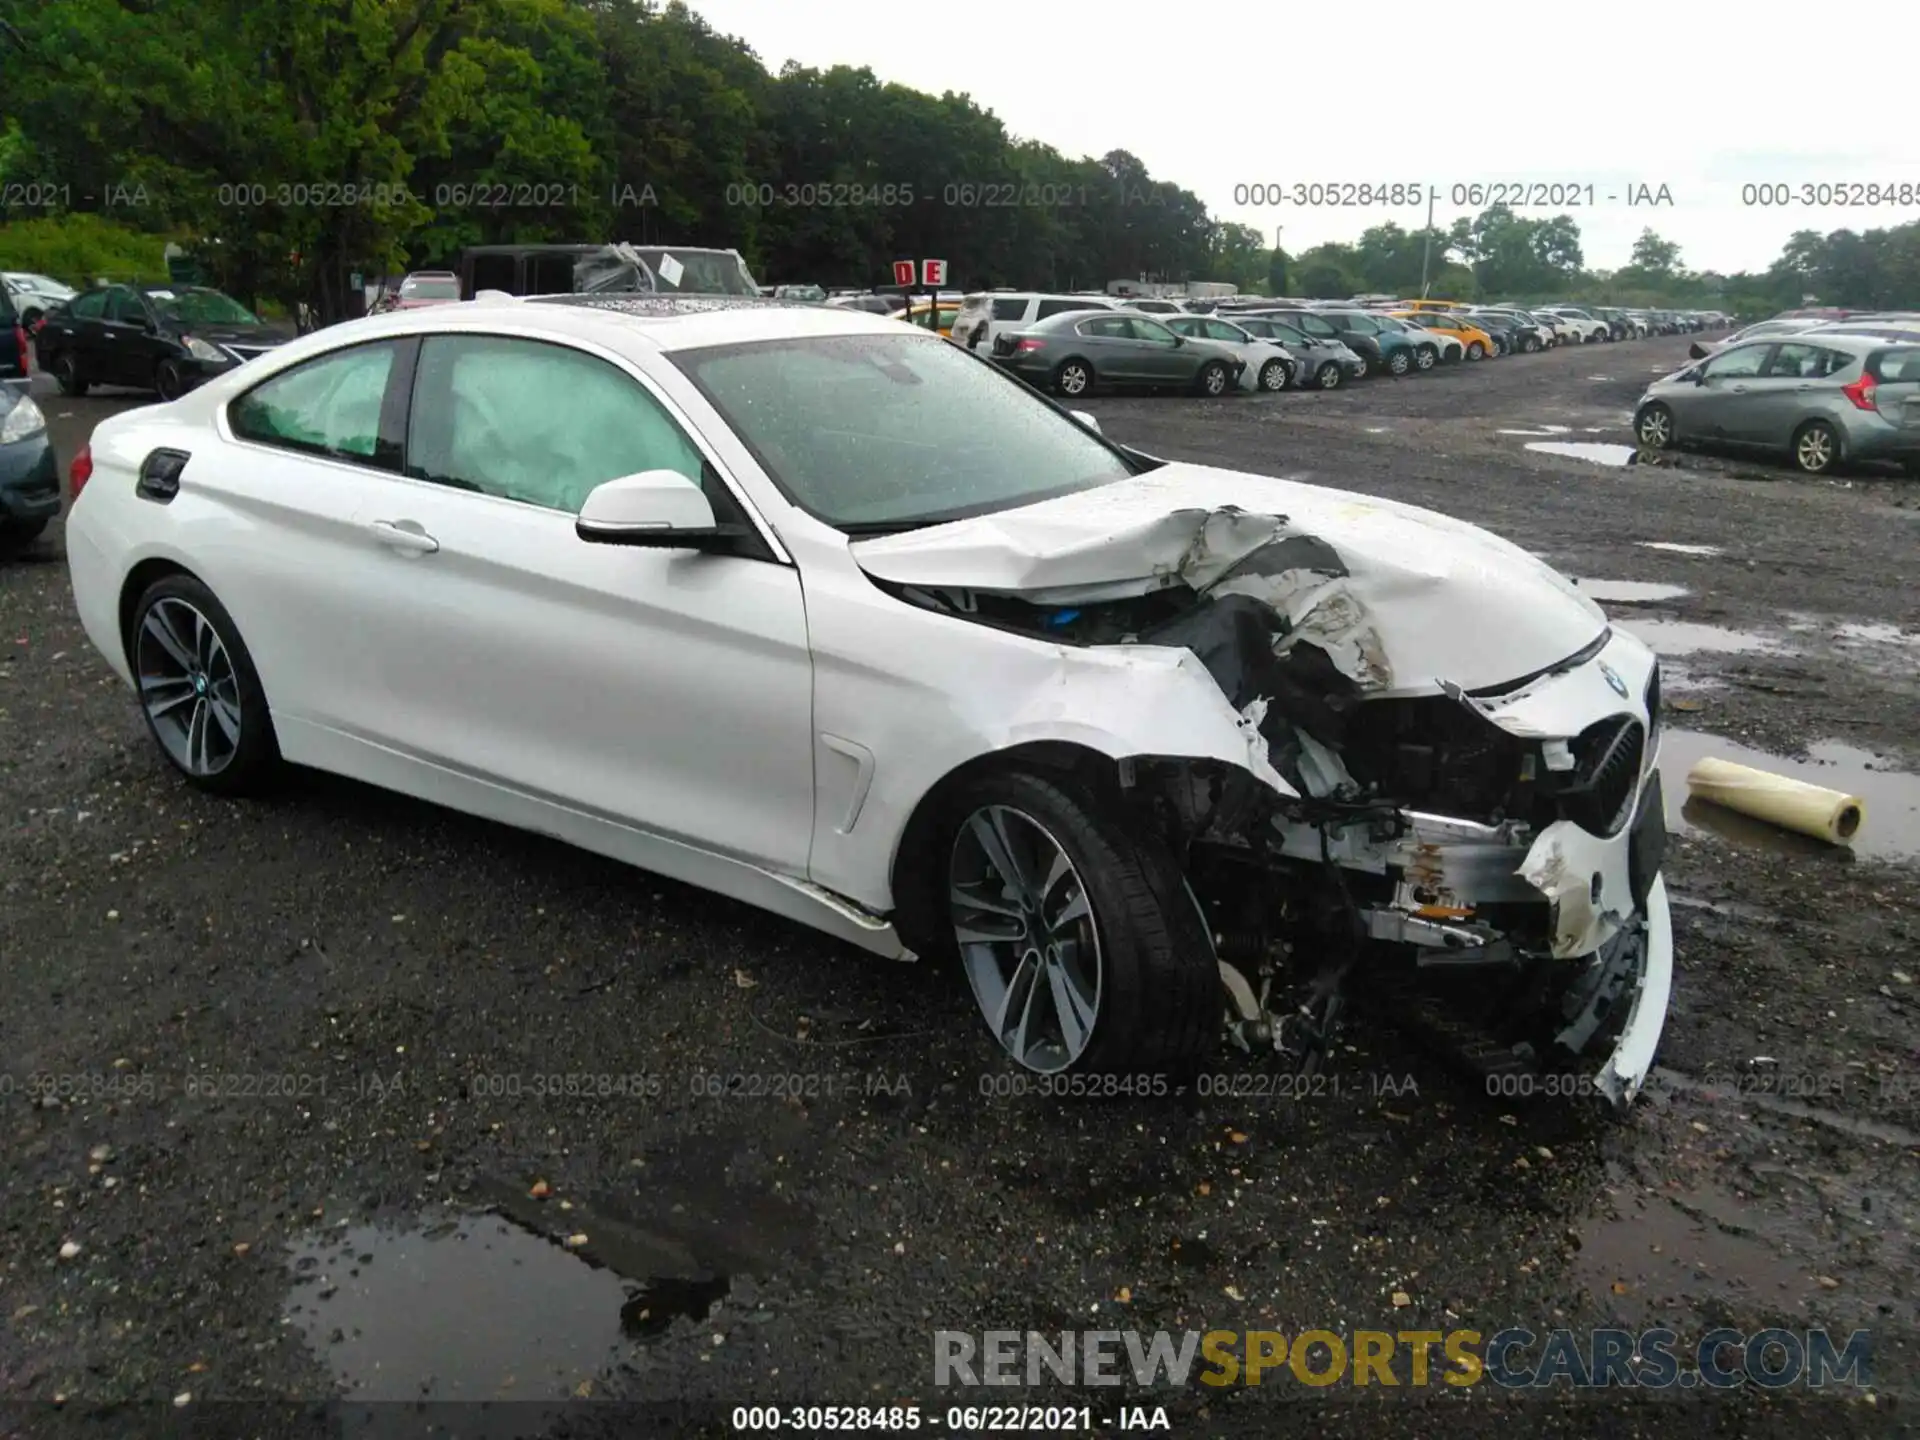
pixel 90 306
pixel 1220 330
pixel 329 406
pixel 1806 362
pixel 1742 362
pixel 1106 327
pixel 124 306
pixel 1061 307
pixel 887 432
pixel 1188 325
pixel 1009 309
pixel 1151 331
pixel 535 422
pixel 201 307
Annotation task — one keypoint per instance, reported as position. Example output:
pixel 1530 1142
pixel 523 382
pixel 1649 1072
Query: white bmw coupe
pixel 818 611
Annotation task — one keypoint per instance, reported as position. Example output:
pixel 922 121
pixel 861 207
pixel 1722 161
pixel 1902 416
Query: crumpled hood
pixel 1414 598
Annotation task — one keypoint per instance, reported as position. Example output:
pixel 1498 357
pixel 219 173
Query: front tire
pixel 1273 375
pixel 1076 932
pixel 1476 351
pixel 1531 345
pixel 168 382
pixel 1330 376
pixel 1427 357
pixel 198 689
pixel 1073 377
pixel 1816 448
pixel 1213 378
pixel 1399 363
pixel 1653 427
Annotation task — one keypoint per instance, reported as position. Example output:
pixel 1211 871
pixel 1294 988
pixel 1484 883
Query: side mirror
pixel 1697 350
pixel 1086 419
pixel 1698 375
pixel 1179 340
pixel 662 509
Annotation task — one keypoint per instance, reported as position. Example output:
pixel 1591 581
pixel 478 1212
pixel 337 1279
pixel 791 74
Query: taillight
pixel 1028 345
pixel 1860 392
pixel 80 471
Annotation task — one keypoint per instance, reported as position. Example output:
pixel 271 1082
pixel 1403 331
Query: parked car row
pixel 1071 344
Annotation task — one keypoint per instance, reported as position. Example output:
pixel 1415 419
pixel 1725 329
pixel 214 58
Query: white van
pixel 983 316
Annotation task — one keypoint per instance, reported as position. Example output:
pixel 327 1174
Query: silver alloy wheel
pixel 1329 376
pixel 1476 351
pixel 1426 358
pixel 1273 375
pixel 1073 378
pixel 1214 380
pixel 1027 938
pixel 1814 449
pixel 1656 429
pixel 1397 362
pixel 188 686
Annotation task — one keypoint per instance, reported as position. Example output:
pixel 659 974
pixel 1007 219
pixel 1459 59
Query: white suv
pixel 1587 327
pixel 984 316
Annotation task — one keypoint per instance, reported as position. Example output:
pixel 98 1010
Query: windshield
pixel 872 433
pixel 201 307
pixel 431 287
pixel 662 270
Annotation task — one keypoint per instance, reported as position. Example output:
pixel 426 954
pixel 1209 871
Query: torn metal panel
pixel 1585 880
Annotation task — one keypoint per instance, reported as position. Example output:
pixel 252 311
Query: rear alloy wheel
pixel 1531 345
pixel 1653 427
pixel 1399 363
pixel 1330 376
pixel 1076 933
pixel 1426 357
pixel 168 381
pixel 1074 377
pixel 66 372
pixel 1213 378
pixel 1273 375
pixel 198 688
pixel 1476 351
pixel 1816 447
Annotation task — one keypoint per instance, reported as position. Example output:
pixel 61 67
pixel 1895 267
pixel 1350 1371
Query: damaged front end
pixel 1477 857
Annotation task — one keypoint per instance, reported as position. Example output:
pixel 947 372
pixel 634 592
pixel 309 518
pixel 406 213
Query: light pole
pixel 1426 249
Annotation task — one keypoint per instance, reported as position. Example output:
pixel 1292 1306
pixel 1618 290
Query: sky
pixel 1608 102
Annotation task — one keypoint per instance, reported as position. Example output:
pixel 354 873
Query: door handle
pixel 403 535
pixel 1738 389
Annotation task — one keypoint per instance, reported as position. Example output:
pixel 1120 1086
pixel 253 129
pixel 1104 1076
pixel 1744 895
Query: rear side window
pixel 1106 327
pixel 1807 362
pixel 90 306
pixel 1220 330
pixel 1896 367
pixel 329 406
pixel 1314 325
pixel 1010 309
pixel 1061 307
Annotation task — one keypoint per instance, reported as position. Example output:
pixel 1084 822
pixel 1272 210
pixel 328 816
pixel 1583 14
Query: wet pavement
pixel 1595 451
pixel 339 1005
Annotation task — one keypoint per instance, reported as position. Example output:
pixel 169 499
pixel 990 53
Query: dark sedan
pixel 1513 335
pixel 166 338
pixel 29 480
pixel 1070 353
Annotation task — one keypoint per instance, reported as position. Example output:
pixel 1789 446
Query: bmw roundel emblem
pixel 1613 679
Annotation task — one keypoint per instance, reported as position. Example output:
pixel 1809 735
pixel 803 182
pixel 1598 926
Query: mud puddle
pixel 1593 451
pixel 1658 1256
pixel 1687 637
pixel 475 1308
pixel 533 1299
pixel 1539 430
pixel 1631 592
pixel 1891 829
pixel 1674 547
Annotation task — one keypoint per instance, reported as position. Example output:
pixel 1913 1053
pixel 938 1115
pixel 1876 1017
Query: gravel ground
pixel 313 1135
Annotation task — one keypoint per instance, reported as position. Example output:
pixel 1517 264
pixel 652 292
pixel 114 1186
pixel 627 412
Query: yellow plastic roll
pixel 1830 815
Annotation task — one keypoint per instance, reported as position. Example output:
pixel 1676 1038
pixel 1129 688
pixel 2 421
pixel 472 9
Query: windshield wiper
pixel 861 529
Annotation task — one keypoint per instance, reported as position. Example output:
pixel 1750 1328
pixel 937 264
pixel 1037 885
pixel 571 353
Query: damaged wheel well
pixel 1140 791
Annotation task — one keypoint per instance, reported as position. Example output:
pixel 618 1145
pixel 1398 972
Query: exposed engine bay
pixel 1484 863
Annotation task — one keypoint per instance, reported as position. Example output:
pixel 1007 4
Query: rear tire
pixel 198 689
pixel 1399 363
pixel 1096 932
pixel 66 372
pixel 1531 345
pixel 1816 448
pixel 1073 377
pixel 1213 378
pixel 1273 375
pixel 1476 351
pixel 1330 376
pixel 1427 357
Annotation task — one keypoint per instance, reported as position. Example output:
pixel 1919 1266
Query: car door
pixel 75 331
pixel 1786 392
pixel 669 688
pixel 1108 343
pixel 1164 358
pixel 423 613
pixel 123 339
pixel 1720 405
